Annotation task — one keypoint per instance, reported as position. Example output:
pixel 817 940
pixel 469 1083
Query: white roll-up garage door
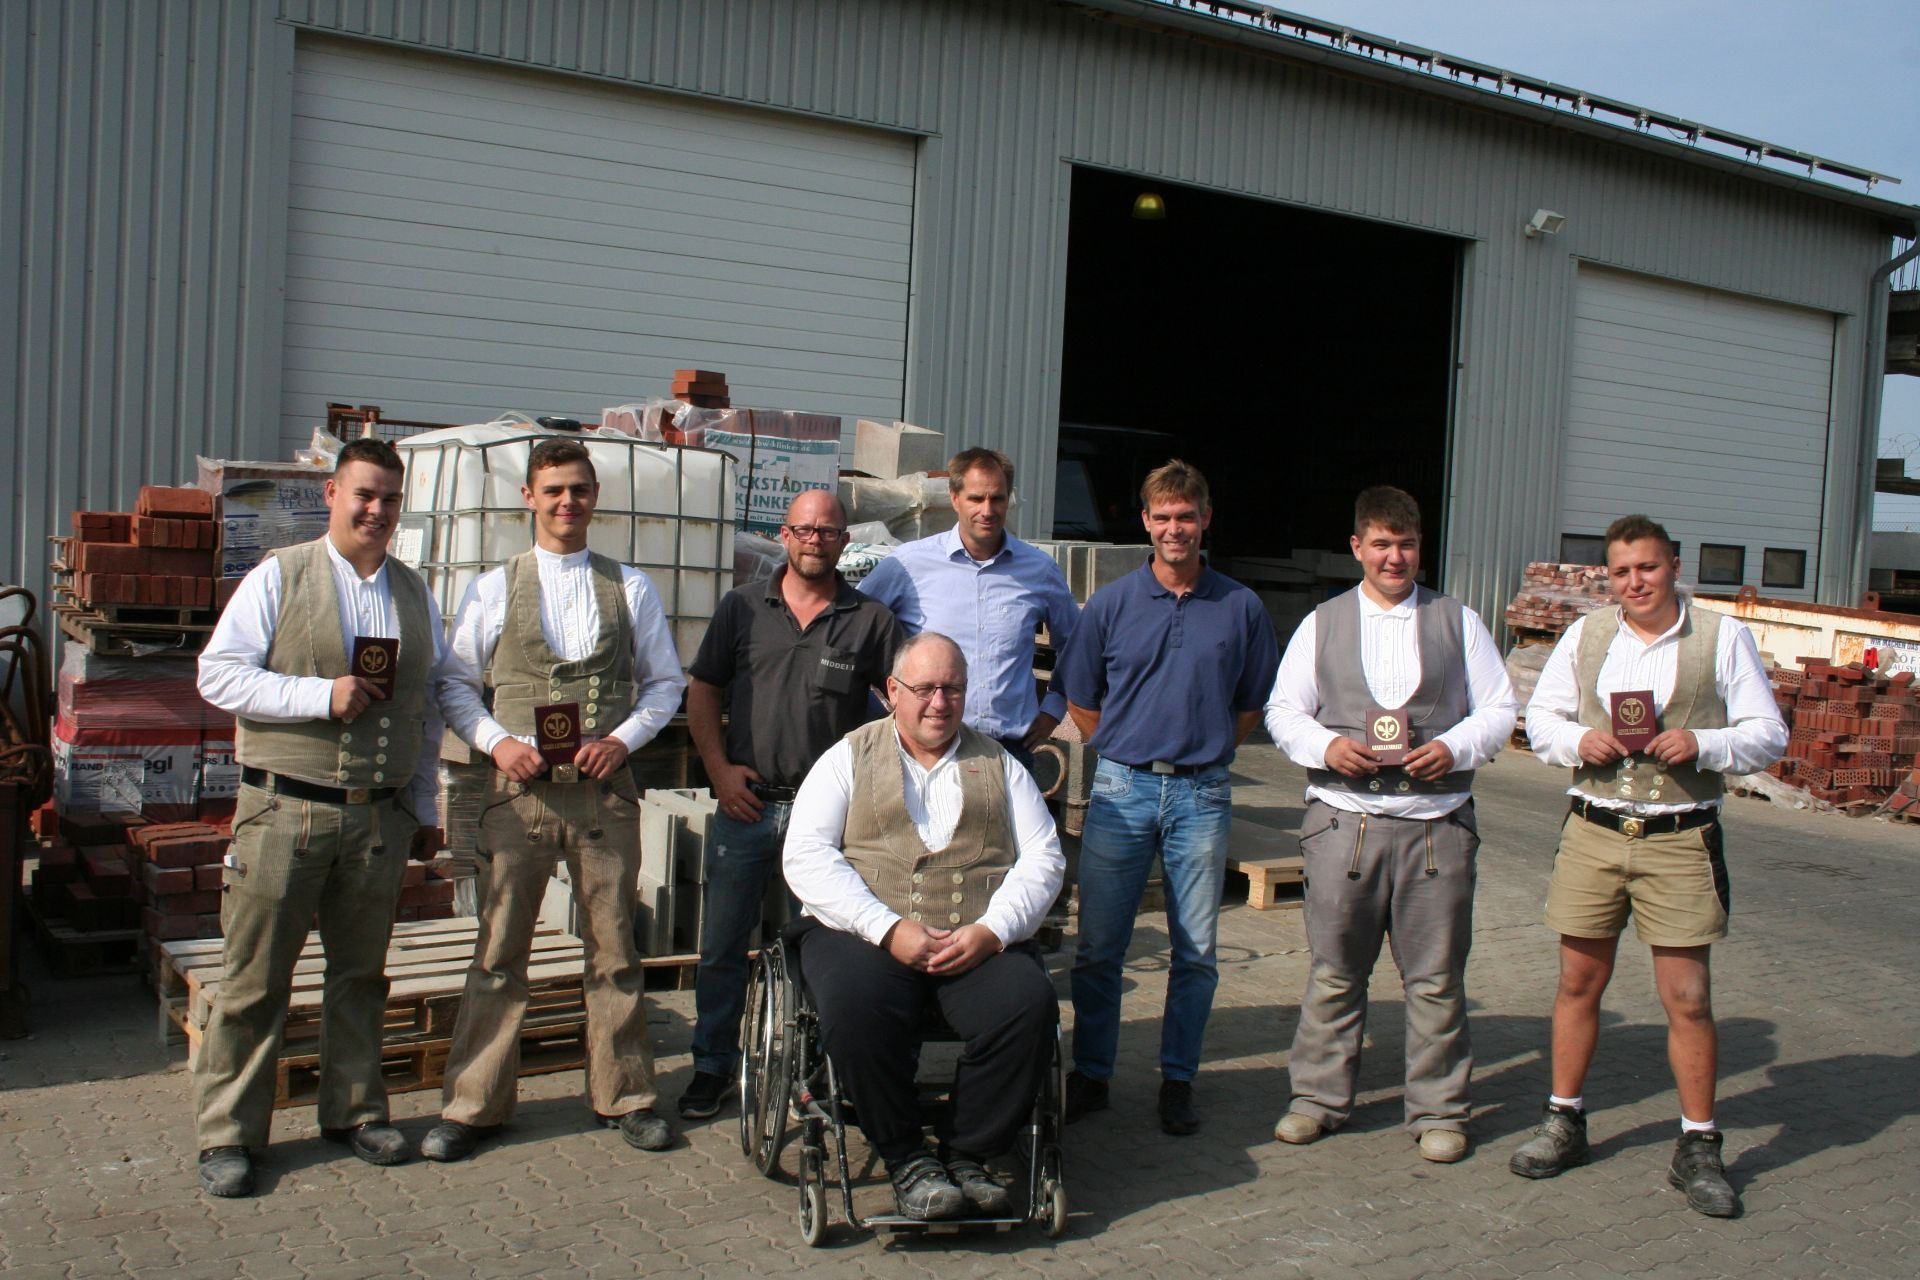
pixel 464 240
pixel 1708 411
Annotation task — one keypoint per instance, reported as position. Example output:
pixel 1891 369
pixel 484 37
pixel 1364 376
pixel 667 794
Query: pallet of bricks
pixel 1552 597
pixel 1853 736
pixel 134 744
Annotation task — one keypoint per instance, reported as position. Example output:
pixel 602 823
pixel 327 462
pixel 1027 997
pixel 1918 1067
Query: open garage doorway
pixel 1294 357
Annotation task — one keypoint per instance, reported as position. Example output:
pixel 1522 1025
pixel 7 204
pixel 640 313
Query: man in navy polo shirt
pixel 1165 676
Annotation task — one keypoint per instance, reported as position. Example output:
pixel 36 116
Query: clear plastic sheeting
pixel 664 509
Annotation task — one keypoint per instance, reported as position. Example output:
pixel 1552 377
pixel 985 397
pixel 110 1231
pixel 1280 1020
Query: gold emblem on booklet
pixel 1633 720
pixel 556 732
pixel 1388 736
pixel 374 660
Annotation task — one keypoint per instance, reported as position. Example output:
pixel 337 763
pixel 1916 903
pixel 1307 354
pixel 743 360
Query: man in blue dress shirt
pixel 989 592
pixel 1166 676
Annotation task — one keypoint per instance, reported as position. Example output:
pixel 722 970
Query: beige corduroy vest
pixel 380 748
pixel 947 887
pixel 525 672
pixel 1694 704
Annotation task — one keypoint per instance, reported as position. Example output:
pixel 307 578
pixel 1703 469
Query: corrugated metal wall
pixel 150 214
pixel 140 277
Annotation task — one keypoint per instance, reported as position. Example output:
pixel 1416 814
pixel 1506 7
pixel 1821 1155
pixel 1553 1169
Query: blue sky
pixel 1833 77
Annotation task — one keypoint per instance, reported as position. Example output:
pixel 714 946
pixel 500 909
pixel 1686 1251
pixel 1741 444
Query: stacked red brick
pixel 179 868
pixel 702 388
pixel 1853 737
pixel 160 555
pixel 1553 596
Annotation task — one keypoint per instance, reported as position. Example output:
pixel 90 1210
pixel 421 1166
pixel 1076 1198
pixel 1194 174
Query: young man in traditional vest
pixel 576 653
pixel 927 856
pixel 1389 839
pixel 1644 835
pixel 795 658
pixel 339 779
pixel 1165 677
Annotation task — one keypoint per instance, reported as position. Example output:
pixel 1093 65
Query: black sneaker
pixel 704 1096
pixel 923 1191
pixel 1559 1142
pixel 1697 1171
pixel 986 1193
pixel 1177 1115
pixel 1084 1095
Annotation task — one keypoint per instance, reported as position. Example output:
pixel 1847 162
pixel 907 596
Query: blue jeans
pixel 1134 815
pixel 740 857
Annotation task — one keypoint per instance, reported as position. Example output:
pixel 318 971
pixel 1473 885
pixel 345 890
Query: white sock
pixel 1574 1104
pixel 1697 1126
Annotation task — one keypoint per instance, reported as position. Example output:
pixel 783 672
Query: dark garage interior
pixel 1294 357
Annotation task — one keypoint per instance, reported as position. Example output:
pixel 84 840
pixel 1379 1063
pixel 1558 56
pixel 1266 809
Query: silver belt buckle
pixel 1164 766
pixel 359 795
pixel 1632 828
pixel 566 773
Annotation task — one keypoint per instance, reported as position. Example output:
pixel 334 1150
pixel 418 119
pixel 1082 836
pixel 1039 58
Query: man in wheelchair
pixel 927 857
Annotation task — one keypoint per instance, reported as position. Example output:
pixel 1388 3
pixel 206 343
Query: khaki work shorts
pixel 1674 885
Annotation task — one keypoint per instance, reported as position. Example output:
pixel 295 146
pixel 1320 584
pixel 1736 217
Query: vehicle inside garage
pixel 1294 356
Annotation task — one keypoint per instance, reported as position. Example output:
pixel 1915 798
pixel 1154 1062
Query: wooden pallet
pixel 427 963
pixel 1273 884
pixel 74 954
pixel 1275 881
pixel 109 640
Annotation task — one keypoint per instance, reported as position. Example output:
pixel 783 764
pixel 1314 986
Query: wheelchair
pixel 787 1082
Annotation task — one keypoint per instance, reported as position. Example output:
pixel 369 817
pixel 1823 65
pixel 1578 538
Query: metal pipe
pixel 1872 390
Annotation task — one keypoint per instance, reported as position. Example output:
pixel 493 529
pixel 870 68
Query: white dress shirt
pixel 1753 739
pixel 570 621
pixel 831 891
pixel 1390 658
pixel 233 666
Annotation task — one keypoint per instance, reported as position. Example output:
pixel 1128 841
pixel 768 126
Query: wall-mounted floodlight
pixel 1545 222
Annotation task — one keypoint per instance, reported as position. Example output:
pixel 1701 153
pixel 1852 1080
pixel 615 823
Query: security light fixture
pixel 1544 222
pixel 1148 206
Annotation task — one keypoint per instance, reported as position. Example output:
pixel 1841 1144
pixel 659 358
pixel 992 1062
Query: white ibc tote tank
pixel 664 509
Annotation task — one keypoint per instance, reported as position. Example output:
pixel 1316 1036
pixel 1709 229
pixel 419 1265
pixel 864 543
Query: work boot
pixel 450 1140
pixel 1177 1115
pixel 923 1191
pixel 376 1142
pixel 226 1171
pixel 1559 1142
pixel 1697 1171
pixel 705 1092
pixel 1084 1095
pixel 1443 1146
pixel 644 1130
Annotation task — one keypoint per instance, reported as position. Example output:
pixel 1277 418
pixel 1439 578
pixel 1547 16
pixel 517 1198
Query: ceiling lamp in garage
pixel 1148 206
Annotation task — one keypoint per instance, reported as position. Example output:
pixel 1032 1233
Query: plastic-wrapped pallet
pixel 1524 666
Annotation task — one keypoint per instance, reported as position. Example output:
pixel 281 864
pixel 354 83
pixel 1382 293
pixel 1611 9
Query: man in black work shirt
pixel 792 658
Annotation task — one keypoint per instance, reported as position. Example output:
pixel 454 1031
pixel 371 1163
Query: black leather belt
pixel 282 785
pixel 1638 828
pixel 779 795
pixel 1166 768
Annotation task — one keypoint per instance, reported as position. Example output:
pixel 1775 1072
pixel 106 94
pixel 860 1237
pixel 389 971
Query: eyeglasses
pixel 925 692
pixel 808 532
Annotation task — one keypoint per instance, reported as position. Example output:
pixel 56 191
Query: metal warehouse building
pixel 219 215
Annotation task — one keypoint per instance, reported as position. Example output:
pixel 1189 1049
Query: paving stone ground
pixel 1815 993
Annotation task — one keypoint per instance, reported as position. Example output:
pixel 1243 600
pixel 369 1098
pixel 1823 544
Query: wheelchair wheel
pixel 1057 1211
pixel 813 1201
pixel 764 1063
